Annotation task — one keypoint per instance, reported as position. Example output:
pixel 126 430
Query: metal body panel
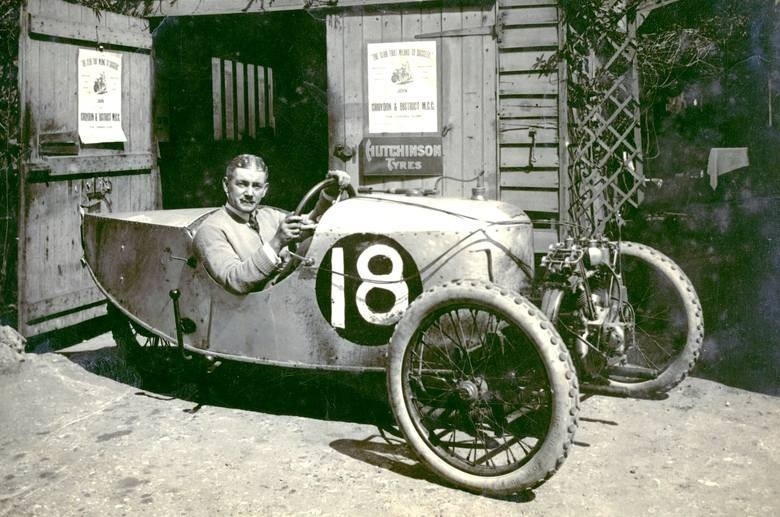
pixel 137 258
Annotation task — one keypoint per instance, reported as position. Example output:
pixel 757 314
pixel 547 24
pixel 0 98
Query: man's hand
pixel 285 257
pixel 342 177
pixel 307 223
pixel 288 230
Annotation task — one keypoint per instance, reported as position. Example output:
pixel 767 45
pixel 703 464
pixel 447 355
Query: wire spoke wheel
pixel 477 390
pixel 482 388
pixel 663 322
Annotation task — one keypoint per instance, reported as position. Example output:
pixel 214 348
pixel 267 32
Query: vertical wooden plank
pixel 216 97
pixel 451 88
pixel 230 131
pixel 372 33
pixel 471 143
pixel 431 22
pixel 240 102
pixel 251 81
pixel 138 125
pixel 36 243
pixel 47 76
pixel 128 102
pixel 30 232
pixel 354 70
pixel 68 106
pixel 52 223
pixel 137 188
pixel 24 97
pixel 392 30
pixel 490 105
pixel 262 97
pixel 133 106
pixel 142 84
pixel 32 244
pixel 270 98
pixel 335 69
pixel 143 65
pixel 411 25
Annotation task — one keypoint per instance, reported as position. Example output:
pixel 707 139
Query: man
pixel 241 243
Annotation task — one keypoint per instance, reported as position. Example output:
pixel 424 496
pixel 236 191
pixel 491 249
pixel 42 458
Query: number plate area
pixel 364 284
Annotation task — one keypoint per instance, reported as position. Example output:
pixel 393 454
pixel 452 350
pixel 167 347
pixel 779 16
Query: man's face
pixel 245 189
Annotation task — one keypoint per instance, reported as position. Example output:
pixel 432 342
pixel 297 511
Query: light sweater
pixel 234 254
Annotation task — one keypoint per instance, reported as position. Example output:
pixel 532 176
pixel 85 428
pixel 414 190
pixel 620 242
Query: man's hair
pixel 246 161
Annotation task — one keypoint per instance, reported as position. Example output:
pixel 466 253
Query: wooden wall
pixel 58 172
pixel 467 84
pixel 498 113
pixel 531 112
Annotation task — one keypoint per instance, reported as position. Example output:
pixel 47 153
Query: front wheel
pixel 665 327
pixel 483 388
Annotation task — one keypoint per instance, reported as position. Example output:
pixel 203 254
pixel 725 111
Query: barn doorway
pixel 244 83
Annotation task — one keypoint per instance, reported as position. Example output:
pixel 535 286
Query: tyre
pixel 665 328
pixel 482 388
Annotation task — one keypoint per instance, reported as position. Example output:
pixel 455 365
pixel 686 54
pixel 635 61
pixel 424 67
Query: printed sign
pixel 402 87
pixel 401 156
pixel 364 284
pixel 100 96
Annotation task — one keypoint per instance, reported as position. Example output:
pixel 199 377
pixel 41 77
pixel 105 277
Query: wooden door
pixel 466 48
pixel 61 174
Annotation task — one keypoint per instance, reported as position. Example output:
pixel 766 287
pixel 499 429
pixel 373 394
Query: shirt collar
pixel 241 216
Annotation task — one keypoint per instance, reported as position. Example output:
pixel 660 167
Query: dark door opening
pixel 232 84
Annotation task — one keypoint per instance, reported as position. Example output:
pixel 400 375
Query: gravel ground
pixel 73 442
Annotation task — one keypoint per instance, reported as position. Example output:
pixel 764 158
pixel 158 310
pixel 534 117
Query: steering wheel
pixel 319 187
pixel 314 193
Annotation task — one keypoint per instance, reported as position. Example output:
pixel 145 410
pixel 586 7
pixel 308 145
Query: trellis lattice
pixel 605 153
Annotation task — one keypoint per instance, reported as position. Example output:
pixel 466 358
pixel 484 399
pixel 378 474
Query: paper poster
pixel 402 87
pixel 100 97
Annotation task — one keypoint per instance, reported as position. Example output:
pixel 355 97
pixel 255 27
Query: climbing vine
pixel 616 73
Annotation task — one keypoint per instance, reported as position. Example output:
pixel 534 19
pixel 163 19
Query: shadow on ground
pixel 327 395
pixel 324 395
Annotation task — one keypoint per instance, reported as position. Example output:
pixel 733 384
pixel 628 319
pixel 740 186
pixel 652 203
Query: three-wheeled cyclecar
pixel 486 354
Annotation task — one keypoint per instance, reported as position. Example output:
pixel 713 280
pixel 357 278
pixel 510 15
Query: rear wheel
pixel 647 331
pixel 482 388
pixel 664 324
pixel 143 350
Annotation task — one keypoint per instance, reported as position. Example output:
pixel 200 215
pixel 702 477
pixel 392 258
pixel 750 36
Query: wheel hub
pixel 472 389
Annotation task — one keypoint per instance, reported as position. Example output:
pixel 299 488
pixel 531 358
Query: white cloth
pixel 723 160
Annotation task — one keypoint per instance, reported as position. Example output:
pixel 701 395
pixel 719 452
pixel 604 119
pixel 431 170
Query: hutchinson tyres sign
pixel 401 156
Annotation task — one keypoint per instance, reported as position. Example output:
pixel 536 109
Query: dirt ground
pixel 79 437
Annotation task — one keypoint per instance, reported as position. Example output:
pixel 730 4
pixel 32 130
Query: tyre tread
pixel 558 351
pixel 680 367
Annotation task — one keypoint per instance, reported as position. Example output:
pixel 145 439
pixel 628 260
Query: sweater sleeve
pixel 226 267
pixel 324 202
